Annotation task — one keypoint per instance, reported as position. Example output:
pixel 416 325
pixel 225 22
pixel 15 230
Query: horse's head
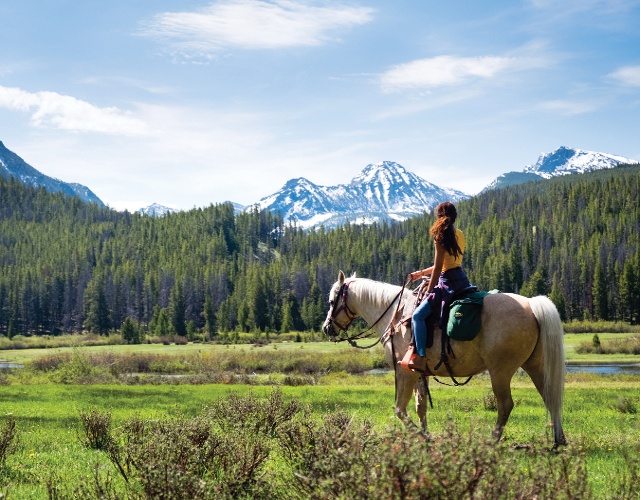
pixel 339 316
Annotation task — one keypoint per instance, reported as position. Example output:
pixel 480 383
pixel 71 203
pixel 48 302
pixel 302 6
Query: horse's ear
pixel 341 278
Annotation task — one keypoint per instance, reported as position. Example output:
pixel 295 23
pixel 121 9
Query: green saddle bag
pixel 465 316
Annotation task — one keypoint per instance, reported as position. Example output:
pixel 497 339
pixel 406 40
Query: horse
pixel 515 332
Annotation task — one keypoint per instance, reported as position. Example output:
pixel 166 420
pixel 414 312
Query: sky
pixel 190 103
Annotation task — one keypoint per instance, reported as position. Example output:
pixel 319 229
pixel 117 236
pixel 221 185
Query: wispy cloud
pixel 569 108
pixel 627 75
pixel 253 25
pixel 50 109
pixel 443 71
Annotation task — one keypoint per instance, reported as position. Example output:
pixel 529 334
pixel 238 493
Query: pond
pixel 605 369
pixel 6 365
pixel 601 369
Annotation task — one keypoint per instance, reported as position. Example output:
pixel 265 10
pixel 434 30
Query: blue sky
pixel 188 103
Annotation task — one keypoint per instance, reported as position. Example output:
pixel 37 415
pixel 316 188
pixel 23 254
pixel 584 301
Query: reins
pixel 369 331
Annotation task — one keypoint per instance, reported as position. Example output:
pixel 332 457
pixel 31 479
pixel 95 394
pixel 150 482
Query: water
pixel 608 369
pixel 602 369
pixel 6 365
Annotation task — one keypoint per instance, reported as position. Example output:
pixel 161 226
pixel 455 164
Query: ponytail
pixel 443 231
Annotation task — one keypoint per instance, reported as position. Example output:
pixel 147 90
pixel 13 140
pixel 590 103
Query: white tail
pixel 551 333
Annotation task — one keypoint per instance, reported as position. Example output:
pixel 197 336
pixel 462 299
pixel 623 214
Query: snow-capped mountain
pixel 562 161
pixel 12 165
pixel 157 210
pixel 382 191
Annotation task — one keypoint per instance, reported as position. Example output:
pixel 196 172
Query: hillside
pixel 70 266
pixel 11 165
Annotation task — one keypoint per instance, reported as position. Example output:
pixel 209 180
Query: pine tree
pixel 97 315
pixel 130 331
pixel 210 323
pixel 599 293
pixel 177 311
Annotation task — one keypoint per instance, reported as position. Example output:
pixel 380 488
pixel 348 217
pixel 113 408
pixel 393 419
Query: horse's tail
pixel 551 334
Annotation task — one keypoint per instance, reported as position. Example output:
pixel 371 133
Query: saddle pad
pixel 464 316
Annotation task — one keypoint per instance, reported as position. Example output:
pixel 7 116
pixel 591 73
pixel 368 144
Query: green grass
pixel 598 411
pixel 49 424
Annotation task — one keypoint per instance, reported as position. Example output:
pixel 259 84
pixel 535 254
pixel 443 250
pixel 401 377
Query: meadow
pixel 50 457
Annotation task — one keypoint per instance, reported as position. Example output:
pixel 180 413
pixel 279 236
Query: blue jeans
pixel 419 325
pixel 449 283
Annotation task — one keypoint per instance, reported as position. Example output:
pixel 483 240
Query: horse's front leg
pixel 420 392
pixel 405 384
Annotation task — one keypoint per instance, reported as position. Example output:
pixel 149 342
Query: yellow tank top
pixel 449 261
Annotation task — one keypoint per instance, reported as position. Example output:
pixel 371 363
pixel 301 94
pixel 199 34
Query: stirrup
pixel 408 358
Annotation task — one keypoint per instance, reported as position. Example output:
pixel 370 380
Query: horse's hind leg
pixel 501 384
pixel 535 370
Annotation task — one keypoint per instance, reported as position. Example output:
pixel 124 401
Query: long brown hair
pixel 443 231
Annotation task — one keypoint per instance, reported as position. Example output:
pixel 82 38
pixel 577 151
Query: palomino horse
pixel 516 332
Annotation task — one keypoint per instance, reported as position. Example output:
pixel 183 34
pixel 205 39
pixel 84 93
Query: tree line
pixel 67 266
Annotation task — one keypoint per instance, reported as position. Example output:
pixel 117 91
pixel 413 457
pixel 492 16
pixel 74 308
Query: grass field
pixel 600 413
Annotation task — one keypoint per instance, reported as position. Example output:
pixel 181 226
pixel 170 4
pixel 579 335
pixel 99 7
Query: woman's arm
pixel 436 269
pixel 421 274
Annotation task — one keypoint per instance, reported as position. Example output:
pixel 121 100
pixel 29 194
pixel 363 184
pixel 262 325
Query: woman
pixel 446 277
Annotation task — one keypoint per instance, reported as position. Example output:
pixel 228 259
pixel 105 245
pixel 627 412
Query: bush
pixel 626 405
pixel 248 447
pixel 8 439
pixel 97 429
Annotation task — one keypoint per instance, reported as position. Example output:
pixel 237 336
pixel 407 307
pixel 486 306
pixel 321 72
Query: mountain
pixel 12 165
pixel 157 210
pixel 562 161
pixel 382 191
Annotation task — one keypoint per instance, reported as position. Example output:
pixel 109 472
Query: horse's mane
pixel 386 290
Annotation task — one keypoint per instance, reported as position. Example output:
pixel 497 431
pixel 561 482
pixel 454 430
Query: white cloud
pixel 442 71
pixel 569 108
pixel 50 109
pixel 252 24
pixel 627 75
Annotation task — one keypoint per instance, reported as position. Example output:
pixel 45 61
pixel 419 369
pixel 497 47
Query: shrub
pixel 97 429
pixel 490 402
pixel 8 439
pixel 248 447
pixel 626 405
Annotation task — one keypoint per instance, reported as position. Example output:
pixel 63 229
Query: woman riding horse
pixel 447 277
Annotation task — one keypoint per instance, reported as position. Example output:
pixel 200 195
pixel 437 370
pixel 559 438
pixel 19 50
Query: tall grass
pixel 600 327
pixel 219 366
pixel 627 345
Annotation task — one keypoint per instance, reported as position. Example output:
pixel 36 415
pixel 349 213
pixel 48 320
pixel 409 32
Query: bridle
pixel 342 292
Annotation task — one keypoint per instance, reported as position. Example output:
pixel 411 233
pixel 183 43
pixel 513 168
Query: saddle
pixel 459 319
pixel 465 322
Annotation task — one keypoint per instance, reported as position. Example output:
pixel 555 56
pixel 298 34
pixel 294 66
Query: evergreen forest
pixel 67 266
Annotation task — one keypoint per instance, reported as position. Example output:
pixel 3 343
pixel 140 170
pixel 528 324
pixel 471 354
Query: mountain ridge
pixel 381 191
pixel 562 161
pixel 12 165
